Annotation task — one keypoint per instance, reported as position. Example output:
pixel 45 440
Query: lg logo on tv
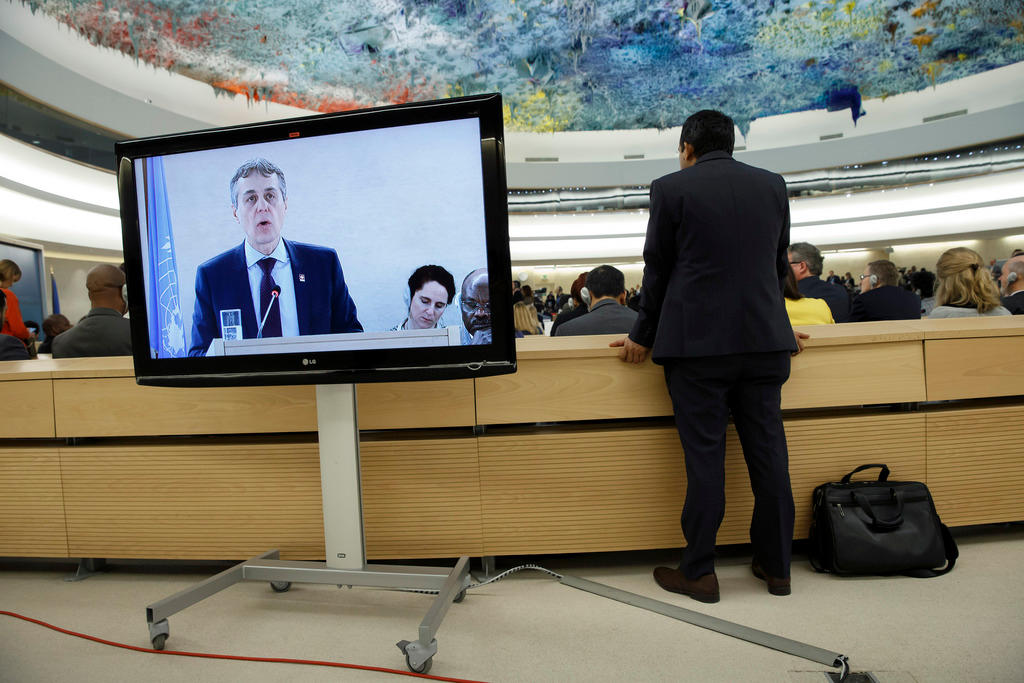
pixel 309 361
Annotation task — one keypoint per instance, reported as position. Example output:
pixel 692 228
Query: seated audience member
pixel 881 299
pixel 52 326
pixel 804 310
pixel 966 288
pixel 11 348
pixel 431 290
pixel 805 260
pixel 923 284
pixel 1012 284
pixel 103 331
pixel 14 325
pixel 524 313
pixel 578 307
pixel 608 312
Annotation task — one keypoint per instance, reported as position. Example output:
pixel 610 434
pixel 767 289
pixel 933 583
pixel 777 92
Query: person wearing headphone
pixel 1012 285
pixel 881 298
pixel 104 331
pixel 579 297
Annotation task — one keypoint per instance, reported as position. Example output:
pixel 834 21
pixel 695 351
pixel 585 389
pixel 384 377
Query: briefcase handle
pixel 881 524
pixel 882 476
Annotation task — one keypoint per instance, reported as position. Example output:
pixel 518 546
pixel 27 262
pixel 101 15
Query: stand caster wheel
pixel 159 641
pixel 423 668
pixel 280 586
pixel 460 596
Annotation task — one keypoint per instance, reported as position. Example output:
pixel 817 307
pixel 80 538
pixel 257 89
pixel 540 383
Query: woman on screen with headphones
pixel 965 286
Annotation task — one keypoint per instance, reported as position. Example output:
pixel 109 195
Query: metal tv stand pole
pixel 343 534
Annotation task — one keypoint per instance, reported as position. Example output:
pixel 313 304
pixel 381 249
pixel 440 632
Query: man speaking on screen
pixel 268 286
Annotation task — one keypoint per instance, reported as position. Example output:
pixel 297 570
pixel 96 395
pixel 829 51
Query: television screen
pixel 352 247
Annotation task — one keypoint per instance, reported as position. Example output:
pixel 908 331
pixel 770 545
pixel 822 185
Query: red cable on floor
pixel 275 660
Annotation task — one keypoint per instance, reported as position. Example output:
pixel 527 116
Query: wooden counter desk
pixel 575 452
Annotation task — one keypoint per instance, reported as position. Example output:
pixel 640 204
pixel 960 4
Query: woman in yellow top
pixel 804 310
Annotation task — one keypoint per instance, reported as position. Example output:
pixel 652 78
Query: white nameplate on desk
pixel 352 341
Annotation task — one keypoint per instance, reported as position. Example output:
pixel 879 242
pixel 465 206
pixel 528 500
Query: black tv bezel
pixel 333 367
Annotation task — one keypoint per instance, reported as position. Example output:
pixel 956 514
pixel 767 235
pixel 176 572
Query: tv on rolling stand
pixel 362 246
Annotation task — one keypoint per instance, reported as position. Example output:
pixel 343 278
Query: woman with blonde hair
pixel 965 286
pixel 524 314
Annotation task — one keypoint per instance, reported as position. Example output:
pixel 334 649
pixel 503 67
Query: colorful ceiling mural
pixel 563 64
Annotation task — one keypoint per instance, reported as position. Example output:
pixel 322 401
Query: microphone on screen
pixel 275 292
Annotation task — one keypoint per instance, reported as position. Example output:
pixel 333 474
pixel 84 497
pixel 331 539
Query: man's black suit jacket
pixel 836 296
pixel 715 258
pixel 886 303
pixel 1015 303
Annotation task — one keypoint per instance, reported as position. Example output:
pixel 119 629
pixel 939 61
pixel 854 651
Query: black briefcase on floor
pixel 878 527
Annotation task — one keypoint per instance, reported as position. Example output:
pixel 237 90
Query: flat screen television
pixel 362 246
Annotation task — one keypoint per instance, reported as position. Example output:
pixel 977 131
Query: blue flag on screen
pixel 55 299
pixel 166 329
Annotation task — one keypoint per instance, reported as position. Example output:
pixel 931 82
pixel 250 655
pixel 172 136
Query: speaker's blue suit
pixel 322 300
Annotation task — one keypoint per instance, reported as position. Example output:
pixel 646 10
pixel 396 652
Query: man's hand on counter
pixel 631 351
pixel 800 336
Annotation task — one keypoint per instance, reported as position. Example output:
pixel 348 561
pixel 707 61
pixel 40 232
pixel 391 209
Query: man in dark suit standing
pixel 608 312
pixel 268 286
pixel 712 313
pixel 881 298
pixel 806 260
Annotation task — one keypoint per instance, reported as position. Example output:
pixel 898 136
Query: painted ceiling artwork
pixel 563 64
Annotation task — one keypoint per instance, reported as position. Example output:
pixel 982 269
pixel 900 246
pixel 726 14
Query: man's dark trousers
pixel 704 392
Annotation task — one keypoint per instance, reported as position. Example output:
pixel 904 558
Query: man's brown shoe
pixel 704 589
pixel 776 586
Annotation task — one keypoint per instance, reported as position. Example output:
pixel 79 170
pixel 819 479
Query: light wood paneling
pixel 193 501
pixel 581 491
pixel 976 464
pixel 421 498
pixel 552 390
pixel 416 405
pixel 120 407
pixel 856 375
pixel 605 490
pixel 960 328
pixel 824 449
pixel 27 409
pixel 974 368
pixel 31 503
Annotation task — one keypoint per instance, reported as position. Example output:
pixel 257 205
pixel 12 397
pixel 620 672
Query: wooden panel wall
pixel 421 498
pixel 27 409
pixel 557 491
pixel 409 405
pixel 825 449
pixel 31 503
pixel 120 407
pixel 623 489
pixel 976 464
pixel 856 375
pixel 974 368
pixel 200 499
pixel 550 390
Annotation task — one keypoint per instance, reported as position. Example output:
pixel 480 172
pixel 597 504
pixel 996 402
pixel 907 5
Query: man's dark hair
pixel 807 253
pixel 605 281
pixel 885 271
pixel 425 274
pixel 708 131
pixel 265 168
